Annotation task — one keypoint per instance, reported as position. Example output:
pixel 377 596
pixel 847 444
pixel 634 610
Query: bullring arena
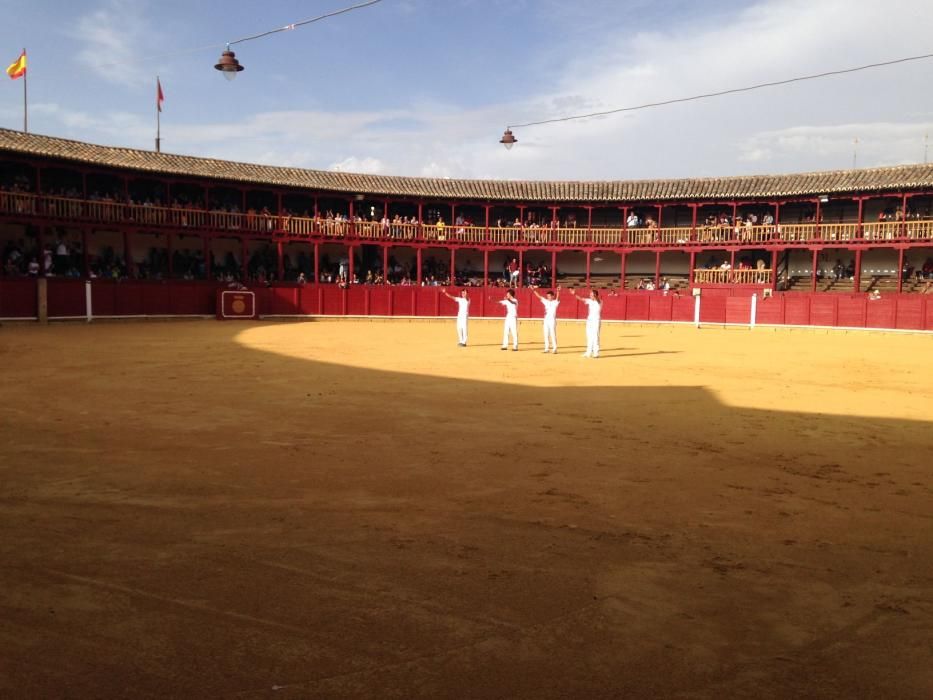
pixel 335 500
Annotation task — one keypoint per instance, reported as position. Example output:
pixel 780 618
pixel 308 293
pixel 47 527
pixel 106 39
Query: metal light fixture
pixel 508 139
pixel 228 64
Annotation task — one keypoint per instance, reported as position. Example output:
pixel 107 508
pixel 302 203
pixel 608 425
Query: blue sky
pixel 425 87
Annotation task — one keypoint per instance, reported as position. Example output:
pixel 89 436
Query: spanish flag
pixel 17 69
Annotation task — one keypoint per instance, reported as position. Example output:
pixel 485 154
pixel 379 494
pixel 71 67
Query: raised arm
pixel 448 294
pixel 535 292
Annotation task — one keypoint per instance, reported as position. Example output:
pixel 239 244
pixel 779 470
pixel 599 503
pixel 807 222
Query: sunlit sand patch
pixel 846 374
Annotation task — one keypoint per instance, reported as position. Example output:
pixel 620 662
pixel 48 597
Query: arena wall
pixel 111 299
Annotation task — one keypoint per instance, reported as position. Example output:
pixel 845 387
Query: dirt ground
pixel 363 509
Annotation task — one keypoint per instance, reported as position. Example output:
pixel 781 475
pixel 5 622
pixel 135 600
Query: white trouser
pixel 592 338
pixel 511 326
pixel 461 330
pixel 550 334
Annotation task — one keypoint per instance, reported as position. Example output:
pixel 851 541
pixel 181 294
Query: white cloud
pixel 882 143
pixel 112 36
pixel 372 166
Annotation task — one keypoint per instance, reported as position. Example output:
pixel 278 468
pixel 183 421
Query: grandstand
pixel 80 211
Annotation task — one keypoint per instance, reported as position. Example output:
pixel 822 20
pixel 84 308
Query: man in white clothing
pixel 463 313
pixel 511 320
pixel 592 322
pixel 550 301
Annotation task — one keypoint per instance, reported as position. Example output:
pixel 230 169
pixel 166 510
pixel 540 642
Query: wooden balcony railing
pixel 838 232
pixel 716 276
pixel 145 215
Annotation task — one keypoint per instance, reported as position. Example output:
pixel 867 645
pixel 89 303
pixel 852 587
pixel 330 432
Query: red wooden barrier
pixel 771 311
pixel 738 309
pixel 882 313
pixel 909 313
pixel 823 310
pixel 66 298
pixel 713 309
pixel 18 298
pixel 851 312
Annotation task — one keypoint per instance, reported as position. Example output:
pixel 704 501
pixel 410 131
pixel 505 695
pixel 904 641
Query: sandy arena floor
pixel 363 509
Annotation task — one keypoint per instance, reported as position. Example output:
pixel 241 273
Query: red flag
pixel 160 97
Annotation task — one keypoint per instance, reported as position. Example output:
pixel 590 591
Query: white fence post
pixel 696 311
pixel 754 311
pixel 88 311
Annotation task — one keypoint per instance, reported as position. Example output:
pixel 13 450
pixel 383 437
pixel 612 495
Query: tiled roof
pixel 867 180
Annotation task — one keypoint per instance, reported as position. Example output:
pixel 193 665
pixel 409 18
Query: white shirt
pixel 595 307
pixel 463 307
pixel 511 308
pixel 550 309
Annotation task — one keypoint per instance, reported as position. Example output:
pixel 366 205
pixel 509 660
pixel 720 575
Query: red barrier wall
pixel 18 298
pixel 183 298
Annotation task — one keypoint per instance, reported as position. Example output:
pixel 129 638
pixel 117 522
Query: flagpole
pixel 158 119
pixel 25 100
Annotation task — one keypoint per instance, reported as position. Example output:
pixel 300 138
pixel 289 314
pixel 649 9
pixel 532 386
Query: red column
pixel 903 231
pixel 85 241
pixel 554 268
pixel 657 267
pixel 278 215
pixel 420 224
pixel 813 271
pixel 777 220
pixel 819 216
pixel 693 221
pixel 693 265
pixel 314 228
pixel 623 262
pixel 900 270
pixel 660 214
pixel 280 266
pixel 588 253
pixel 774 267
pixel 168 250
pixel 350 260
pixel 589 232
pixel 735 215
pixel 126 250
pixel 206 246
pixel 418 256
pixel 859 232
pixel 857 282
pixel 486 256
pixel 317 263
pixel 385 263
pixel 244 262
pixel 551 226
pixel 351 229
pixel 487 207
pixel 453 264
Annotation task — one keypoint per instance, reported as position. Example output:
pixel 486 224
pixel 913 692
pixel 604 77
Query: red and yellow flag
pixel 17 69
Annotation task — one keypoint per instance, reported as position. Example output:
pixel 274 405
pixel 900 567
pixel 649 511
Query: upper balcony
pixel 63 210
